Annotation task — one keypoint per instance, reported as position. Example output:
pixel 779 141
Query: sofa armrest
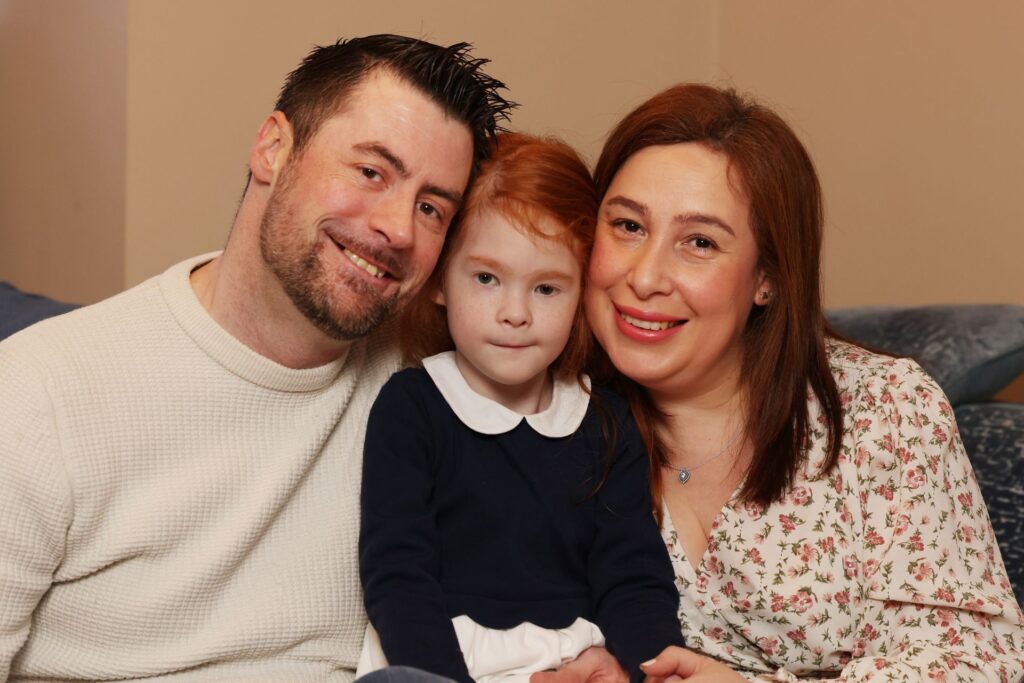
pixel 971 351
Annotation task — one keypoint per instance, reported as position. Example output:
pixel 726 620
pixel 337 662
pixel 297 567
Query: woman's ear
pixel 437 296
pixel 763 292
pixel 271 148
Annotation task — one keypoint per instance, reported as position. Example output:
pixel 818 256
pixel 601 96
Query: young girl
pixel 506 522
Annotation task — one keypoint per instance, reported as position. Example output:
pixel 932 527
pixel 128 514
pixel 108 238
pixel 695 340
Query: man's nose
pixel 392 217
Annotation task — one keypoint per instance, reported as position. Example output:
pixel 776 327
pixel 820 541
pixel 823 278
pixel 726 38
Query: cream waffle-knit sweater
pixel 175 506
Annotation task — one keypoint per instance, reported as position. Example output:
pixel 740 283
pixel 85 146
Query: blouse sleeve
pixel 398 542
pixel 937 604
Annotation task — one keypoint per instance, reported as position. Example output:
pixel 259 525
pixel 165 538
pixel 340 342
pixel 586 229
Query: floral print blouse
pixel 884 569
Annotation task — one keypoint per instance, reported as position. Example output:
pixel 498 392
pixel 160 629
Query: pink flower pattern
pixel 885 569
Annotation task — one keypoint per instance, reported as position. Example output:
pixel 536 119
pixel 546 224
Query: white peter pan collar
pixel 563 417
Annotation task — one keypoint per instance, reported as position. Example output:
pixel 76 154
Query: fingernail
pixel 648 662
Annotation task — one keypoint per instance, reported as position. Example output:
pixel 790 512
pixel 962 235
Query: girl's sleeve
pixel 937 603
pixel 630 574
pixel 398 541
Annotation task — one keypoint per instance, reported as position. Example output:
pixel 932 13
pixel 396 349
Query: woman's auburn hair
pixel 526 179
pixel 784 350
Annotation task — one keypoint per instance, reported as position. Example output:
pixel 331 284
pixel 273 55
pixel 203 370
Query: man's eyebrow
pixel 379 150
pixel 386 154
pixel 451 195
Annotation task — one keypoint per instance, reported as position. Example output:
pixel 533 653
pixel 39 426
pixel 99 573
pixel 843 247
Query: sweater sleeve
pixel 35 502
pixel 398 543
pixel 635 598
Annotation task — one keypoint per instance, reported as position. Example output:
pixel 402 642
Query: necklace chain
pixel 685 472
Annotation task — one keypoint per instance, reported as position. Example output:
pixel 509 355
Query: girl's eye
pixel 485 278
pixel 546 290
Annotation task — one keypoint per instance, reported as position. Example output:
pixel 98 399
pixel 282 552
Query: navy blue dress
pixel 505 529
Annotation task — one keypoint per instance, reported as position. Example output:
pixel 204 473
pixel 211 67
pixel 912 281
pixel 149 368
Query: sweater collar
pixel 568 407
pixel 228 351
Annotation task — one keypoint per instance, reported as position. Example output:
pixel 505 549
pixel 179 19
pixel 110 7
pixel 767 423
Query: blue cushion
pixel 971 351
pixel 19 310
pixel 993 434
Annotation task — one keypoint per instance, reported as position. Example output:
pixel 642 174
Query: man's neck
pixel 250 304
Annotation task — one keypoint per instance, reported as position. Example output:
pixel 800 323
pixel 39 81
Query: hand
pixel 594 665
pixel 676 664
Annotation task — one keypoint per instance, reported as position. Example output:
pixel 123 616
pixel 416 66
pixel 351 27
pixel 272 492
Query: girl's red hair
pixel 526 179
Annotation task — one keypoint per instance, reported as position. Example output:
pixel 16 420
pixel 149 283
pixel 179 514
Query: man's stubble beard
pixel 302 275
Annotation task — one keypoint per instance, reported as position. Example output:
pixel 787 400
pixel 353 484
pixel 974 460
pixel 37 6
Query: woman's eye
pixel 485 278
pixel 628 225
pixel 703 244
pixel 546 290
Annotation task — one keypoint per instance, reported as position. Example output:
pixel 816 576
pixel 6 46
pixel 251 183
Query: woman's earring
pixel 764 295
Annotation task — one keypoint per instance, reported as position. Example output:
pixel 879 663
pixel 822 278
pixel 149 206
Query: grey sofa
pixel 972 351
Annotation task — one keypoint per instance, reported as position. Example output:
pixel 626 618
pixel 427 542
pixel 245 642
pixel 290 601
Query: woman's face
pixel 674 273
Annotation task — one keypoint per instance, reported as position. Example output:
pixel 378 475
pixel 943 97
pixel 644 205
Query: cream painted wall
pixel 62 146
pixel 913 114
pixel 203 75
pixel 126 124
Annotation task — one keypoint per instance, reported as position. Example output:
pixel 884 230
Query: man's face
pixel 355 222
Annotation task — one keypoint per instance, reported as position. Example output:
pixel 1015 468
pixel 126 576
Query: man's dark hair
pixel 449 76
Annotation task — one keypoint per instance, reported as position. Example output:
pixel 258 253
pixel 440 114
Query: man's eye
pixel 369 173
pixel 485 278
pixel 546 290
pixel 429 209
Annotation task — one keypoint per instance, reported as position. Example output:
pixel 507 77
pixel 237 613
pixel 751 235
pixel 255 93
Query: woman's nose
pixel 648 274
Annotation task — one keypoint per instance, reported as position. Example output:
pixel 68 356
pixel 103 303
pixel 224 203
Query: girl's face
pixel 673 273
pixel 511 299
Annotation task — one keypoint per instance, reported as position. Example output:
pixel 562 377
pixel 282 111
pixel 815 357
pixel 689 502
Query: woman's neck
pixel 696 424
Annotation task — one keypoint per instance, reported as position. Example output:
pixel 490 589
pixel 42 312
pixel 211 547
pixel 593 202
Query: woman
pixel 822 517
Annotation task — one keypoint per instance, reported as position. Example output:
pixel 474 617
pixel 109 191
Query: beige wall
pixel 62 146
pixel 124 146
pixel 913 114
pixel 202 75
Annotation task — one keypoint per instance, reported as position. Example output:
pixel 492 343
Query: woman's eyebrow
pixel 706 219
pixel 631 204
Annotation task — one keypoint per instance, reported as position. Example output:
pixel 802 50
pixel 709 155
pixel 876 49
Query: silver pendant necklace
pixel 685 472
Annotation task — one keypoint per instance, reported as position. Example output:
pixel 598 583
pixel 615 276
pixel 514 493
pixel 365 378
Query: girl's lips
pixel 646 327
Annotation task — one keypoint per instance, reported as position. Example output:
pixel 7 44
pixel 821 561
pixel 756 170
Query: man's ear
pixel 271 148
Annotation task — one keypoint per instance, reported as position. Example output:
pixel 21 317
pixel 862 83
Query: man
pixel 179 464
